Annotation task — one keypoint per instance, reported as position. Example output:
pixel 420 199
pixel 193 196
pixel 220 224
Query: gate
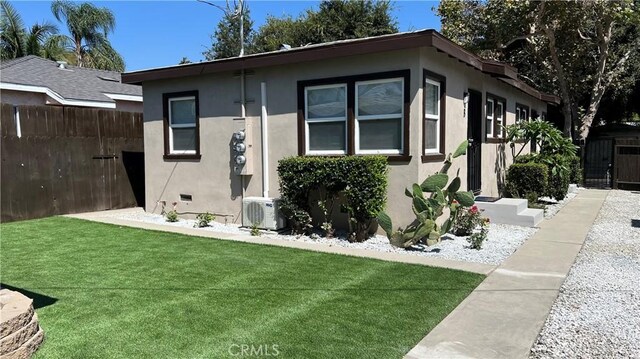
pixel 598 163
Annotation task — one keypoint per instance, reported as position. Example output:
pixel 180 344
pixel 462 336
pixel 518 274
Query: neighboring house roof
pixel 72 85
pixel 430 38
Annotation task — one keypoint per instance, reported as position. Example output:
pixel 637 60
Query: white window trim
pixel 499 117
pixel 172 126
pixel 490 118
pixel 329 119
pixel 359 118
pixel 433 117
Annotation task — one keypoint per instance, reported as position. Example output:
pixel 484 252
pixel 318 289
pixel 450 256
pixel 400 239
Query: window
pixel 434 116
pixel 181 125
pixel 326 114
pixel 489 118
pixel 496 113
pixel 499 115
pixel 522 113
pixel 379 115
pixel 362 114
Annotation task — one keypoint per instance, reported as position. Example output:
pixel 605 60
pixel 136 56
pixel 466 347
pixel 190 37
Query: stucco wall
pixel 211 180
pixel 459 79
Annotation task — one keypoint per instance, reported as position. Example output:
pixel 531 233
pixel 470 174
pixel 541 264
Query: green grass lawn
pixel 104 291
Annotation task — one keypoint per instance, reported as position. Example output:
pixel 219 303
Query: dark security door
pixel 474 129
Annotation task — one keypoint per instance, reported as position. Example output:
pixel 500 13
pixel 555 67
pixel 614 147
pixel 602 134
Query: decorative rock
pixel 20 333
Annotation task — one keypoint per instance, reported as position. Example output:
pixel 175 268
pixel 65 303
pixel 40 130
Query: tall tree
pixel 575 49
pixel 88 27
pixel 226 39
pixel 334 20
pixel 16 40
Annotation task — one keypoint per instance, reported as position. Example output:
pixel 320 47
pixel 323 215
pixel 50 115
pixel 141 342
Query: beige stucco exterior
pixel 211 181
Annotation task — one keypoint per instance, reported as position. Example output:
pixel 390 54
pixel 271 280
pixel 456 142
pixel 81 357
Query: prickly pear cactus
pixel 428 209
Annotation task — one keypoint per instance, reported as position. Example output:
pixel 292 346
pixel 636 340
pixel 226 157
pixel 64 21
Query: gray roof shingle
pixel 72 83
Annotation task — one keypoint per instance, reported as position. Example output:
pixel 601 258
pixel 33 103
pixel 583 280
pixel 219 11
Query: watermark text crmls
pixel 254 350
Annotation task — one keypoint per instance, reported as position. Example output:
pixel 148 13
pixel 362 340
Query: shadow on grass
pixel 39 300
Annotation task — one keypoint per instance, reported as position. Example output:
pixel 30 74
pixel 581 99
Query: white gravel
pixel 502 240
pixel 597 313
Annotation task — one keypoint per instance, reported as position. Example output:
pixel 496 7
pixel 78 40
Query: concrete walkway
pixel 108 217
pixel 504 315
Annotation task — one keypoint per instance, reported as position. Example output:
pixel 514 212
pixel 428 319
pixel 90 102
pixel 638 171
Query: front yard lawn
pixel 114 292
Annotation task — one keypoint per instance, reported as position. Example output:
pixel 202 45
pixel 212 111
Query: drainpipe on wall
pixel 265 141
pixel 243 112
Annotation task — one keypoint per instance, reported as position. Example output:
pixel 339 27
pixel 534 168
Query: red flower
pixel 473 210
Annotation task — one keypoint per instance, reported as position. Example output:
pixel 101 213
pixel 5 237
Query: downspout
pixel 265 141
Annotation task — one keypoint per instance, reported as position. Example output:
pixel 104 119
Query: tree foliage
pixel 334 20
pixel 575 49
pixel 226 38
pixel 88 27
pixel 17 41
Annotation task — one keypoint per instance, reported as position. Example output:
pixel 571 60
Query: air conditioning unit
pixel 264 213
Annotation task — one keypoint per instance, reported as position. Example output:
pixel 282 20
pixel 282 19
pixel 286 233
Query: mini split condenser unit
pixel 263 213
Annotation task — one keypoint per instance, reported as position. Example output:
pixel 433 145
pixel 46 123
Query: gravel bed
pixel 502 240
pixel 597 313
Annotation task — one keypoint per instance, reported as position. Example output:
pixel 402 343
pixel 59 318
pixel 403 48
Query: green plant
pixel 427 209
pixel 545 135
pixel 172 216
pixel 575 170
pixel 466 221
pixel 361 180
pixel 477 239
pixel 525 180
pixel 203 219
pixel 255 231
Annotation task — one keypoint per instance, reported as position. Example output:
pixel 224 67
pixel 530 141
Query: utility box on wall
pixel 242 146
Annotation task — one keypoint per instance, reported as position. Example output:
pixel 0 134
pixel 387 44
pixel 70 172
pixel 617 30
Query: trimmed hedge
pixel 361 179
pixel 527 180
pixel 558 172
pixel 575 175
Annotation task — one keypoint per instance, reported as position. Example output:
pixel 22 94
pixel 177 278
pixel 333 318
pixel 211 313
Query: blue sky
pixel 159 33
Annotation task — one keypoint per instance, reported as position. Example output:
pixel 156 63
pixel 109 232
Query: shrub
pixel 466 221
pixel 476 240
pixel 558 172
pixel 362 180
pixel 203 219
pixel 524 180
pixel 575 170
pixel 172 216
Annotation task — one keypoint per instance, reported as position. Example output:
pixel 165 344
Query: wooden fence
pixel 69 160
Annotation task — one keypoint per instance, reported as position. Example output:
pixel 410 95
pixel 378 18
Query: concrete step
pixel 512 211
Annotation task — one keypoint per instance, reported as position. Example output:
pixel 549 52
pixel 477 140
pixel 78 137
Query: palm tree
pixel 88 27
pixel 16 41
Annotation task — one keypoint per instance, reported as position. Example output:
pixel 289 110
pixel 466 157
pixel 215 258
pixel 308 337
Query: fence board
pixel 58 166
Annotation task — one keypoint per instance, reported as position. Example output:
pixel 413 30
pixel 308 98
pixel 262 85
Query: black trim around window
pixel 498 132
pixel 350 82
pixel 431 157
pixel 165 114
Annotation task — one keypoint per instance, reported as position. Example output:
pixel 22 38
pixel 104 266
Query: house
pixel 32 80
pixel 411 96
